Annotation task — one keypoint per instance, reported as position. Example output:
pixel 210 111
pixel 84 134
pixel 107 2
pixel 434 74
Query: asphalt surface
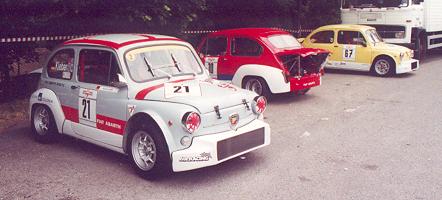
pixel 355 137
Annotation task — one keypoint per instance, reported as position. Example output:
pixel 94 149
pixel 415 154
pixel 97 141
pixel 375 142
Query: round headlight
pixel 191 121
pixel 259 104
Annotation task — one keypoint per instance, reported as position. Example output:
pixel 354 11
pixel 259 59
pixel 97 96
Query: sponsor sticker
pixel 198 158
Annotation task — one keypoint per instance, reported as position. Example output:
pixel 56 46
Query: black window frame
pixel 320 32
pixel 114 62
pixel 205 49
pixel 338 39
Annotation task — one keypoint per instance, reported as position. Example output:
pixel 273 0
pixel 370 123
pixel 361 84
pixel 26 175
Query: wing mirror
pixel 121 83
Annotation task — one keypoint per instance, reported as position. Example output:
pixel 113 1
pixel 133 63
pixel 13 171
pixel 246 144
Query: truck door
pixel 213 53
pixel 102 107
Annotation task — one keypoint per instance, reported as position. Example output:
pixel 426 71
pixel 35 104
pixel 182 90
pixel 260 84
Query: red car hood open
pixel 303 52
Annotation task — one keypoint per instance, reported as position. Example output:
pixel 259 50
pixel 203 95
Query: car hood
pixel 391 47
pixel 204 95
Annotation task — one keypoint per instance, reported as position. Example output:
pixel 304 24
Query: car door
pixel 214 55
pixel 326 40
pixel 102 106
pixel 353 51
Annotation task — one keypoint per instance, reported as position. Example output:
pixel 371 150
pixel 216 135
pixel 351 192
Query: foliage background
pixel 20 18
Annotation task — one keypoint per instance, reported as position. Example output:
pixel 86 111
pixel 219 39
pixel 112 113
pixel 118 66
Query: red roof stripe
pixel 116 45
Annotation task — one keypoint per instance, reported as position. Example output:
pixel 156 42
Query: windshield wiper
pixel 149 68
pixel 175 63
pixel 167 74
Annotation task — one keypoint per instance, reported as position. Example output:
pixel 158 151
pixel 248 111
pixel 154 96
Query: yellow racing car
pixel 358 47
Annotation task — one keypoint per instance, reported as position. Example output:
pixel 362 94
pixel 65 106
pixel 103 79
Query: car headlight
pixel 191 121
pixel 259 105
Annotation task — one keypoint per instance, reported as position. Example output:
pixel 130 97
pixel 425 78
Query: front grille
pixel 240 143
pixel 414 65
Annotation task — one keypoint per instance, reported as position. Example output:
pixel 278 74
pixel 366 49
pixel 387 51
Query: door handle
pixel 336 46
pixel 74 87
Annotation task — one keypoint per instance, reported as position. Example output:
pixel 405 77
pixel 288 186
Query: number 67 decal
pixel 349 52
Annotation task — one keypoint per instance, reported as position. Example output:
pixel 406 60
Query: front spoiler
pixel 204 149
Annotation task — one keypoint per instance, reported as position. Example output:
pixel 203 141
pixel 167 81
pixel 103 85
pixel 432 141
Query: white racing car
pixel 147 96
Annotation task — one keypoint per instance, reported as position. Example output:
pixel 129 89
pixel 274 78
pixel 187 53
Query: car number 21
pixel 87 105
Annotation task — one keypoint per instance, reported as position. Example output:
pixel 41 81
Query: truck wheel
pixel 421 48
pixel 149 153
pixel 43 126
pixel 257 85
pixel 384 66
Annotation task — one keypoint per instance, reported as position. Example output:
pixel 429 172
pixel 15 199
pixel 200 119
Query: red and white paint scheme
pixel 147 96
pixel 263 60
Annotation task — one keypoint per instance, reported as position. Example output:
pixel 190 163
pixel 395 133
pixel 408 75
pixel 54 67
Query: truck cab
pixel 416 24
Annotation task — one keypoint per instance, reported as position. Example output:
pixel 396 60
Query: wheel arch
pixel 138 120
pixel 48 98
pixel 273 76
pixel 384 56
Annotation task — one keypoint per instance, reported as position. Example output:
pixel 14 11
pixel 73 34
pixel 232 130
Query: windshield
pixel 157 62
pixel 374 3
pixel 284 41
pixel 373 36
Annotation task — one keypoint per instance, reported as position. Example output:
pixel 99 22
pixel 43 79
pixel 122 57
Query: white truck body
pixel 413 23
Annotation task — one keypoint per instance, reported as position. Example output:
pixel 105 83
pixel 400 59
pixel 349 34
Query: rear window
pixel 284 42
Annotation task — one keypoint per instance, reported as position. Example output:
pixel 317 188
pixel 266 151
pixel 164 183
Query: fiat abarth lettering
pixel 358 47
pixel 147 96
pixel 263 60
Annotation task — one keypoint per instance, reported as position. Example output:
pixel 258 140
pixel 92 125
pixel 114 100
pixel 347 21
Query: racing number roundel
pixel 349 52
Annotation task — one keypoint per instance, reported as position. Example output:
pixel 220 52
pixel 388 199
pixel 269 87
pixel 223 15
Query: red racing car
pixel 264 60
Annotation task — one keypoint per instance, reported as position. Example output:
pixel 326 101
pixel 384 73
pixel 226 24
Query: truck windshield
pixel 374 3
pixel 156 62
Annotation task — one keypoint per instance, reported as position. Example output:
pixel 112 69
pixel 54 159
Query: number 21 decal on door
pixel 87 104
pixel 349 52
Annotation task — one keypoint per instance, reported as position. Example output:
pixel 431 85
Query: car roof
pixel 117 41
pixel 346 27
pixel 253 32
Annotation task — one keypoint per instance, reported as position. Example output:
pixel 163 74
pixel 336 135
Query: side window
pixel 61 64
pixel 350 37
pixel 97 67
pixel 245 47
pixel 323 37
pixel 215 46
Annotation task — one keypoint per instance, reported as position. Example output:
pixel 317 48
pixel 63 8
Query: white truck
pixel 416 24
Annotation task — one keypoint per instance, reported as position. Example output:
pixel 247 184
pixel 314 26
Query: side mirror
pixel 121 83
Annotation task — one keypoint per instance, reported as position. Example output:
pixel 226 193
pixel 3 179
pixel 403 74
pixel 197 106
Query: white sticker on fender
pixel 349 52
pixel 182 89
pixel 211 64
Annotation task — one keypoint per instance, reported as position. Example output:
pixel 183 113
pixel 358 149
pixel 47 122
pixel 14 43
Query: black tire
pixel 249 83
pixel 383 66
pixel 421 48
pixel 43 126
pixel 162 163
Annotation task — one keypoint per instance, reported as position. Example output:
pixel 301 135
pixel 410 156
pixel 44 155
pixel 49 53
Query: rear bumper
pixel 305 82
pixel 208 150
pixel 407 66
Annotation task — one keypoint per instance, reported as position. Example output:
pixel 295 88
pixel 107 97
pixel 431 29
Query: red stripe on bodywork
pixel 116 45
pixel 110 124
pixel 143 93
pixel 70 114
pixel 103 122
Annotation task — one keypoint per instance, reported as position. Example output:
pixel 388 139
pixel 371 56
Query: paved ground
pixel 355 137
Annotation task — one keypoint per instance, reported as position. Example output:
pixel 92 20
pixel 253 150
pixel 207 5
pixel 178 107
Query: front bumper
pixel 407 66
pixel 305 82
pixel 208 150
